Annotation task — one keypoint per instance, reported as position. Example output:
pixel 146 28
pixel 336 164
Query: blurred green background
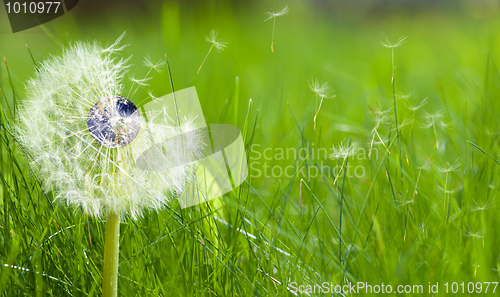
pixel 395 224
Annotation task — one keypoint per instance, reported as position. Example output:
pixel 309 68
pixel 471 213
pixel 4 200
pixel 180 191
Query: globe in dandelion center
pixel 114 121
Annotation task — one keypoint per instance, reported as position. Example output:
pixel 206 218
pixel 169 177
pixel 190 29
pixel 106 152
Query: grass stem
pixel 272 38
pixel 396 112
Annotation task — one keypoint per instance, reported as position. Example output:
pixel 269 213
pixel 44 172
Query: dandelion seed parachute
pixel 88 166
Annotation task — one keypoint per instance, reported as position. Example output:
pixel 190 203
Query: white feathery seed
pixel 218 44
pixel 321 91
pixel 212 38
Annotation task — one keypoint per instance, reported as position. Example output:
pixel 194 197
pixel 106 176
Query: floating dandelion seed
pixel 489 204
pixel 387 43
pixel 218 44
pixel 392 46
pixel 321 91
pixel 83 135
pixel 418 106
pixel 343 150
pixel 273 15
pixel 157 66
pixel 381 117
pixel 451 168
pixel 451 191
pixel 414 109
pixel 431 122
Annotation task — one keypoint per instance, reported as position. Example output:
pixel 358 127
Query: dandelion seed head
pixel 430 118
pixel 450 168
pixel 271 14
pixel 381 117
pixel 343 150
pixel 387 43
pixel 468 232
pixel 150 63
pixel 83 136
pixel 489 204
pixel 403 200
pixel 418 106
pixel 446 125
pixel 321 89
pixel 212 38
pixel 451 191
pixel 141 82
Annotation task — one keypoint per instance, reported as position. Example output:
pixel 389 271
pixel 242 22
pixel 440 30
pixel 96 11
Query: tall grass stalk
pixel 392 46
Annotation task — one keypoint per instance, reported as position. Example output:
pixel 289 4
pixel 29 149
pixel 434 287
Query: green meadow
pixel 393 180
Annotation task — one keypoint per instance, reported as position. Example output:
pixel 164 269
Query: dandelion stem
pixel 205 58
pixel 111 251
pixel 396 111
pixel 320 102
pixel 272 38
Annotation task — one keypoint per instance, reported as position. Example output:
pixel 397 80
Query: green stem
pixel 396 112
pixel 111 250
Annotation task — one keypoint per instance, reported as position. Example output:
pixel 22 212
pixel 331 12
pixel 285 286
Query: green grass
pixel 394 225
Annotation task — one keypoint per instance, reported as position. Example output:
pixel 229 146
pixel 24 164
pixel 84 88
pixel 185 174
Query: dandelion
pixel 414 109
pixel 343 151
pixel 450 168
pixel 486 206
pixel 431 122
pixel 387 43
pixel 381 118
pixel 83 136
pixel 451 191
pixel 426 166
pixel 474 235
pixel 392 46
pixel 321 91
pixel 218 44
pixel 489 204
pixel 151 64
pixel 148 62
pixel 273 15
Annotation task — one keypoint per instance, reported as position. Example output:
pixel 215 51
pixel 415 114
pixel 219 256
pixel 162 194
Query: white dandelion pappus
pixel 321 91
pixel 273 15
pixel 82 135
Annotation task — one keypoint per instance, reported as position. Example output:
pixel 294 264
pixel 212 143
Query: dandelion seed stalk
pixel 272 38
pixel 321 91
pixel 217 43
pixel 392 46
pixel 273 15
pixel 396 111
pixel 205 59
